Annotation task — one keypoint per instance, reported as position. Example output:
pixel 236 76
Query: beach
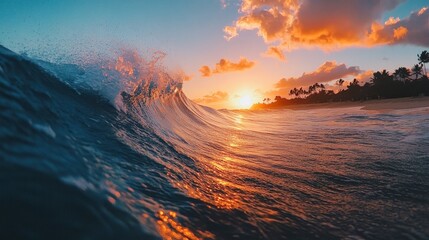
pixel 381 105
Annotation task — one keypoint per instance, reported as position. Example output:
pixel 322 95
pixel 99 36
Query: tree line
pixel 403 82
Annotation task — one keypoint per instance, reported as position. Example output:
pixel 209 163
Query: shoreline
pixel 382 104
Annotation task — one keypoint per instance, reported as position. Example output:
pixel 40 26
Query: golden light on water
pixel 170 228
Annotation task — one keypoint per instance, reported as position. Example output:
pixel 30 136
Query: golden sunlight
pixel 245 102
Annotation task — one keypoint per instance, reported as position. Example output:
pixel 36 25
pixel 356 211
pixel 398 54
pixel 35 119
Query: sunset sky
pixel 235 52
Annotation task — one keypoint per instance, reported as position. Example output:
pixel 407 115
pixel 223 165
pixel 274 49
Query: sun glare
pixel 245 102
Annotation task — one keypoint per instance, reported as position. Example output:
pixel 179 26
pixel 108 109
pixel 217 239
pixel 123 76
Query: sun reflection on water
pixel 170 228
pixel 238 119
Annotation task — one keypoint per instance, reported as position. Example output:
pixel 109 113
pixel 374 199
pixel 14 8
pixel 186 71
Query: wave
pixel 111 148
pixel 83 125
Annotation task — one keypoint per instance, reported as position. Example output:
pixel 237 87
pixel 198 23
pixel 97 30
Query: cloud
pixel 205 71
pixel 325 73
pixel 329 71
pixel 392 21
pixel 275 52
pixel 225 65
pixel 328 24
pixel 365 76
pixel 400 32
pixel 411 30
pixel 216 97
pixel 422 11
pixel 230 32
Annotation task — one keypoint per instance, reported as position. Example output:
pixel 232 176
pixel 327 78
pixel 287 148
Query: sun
pixel 245 102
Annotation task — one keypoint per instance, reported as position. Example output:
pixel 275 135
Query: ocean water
pixel 115 150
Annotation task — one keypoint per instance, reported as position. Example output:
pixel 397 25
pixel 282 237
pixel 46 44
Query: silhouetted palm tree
pixel 402 73
pixel 340 82
pixel 380 77
pixel 354 83
pixel 423 59
pixel 417 70
pixel 301 92
pixel 314 88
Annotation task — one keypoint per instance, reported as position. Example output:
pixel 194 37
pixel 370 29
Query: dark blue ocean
pixel 110 150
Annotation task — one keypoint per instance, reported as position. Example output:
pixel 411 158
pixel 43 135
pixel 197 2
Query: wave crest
pixel 142 79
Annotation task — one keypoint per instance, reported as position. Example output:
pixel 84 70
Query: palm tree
pixel 311 89
pixel 297 92
pixel 340 83
pixel 314 88
pixel 301 91
pixel 396 74
pixel 354 83
pixel 417 70
pixel 402 73
pixel 381 77
pixel 423 59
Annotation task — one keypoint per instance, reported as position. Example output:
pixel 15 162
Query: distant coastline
pixel 403 84
pixel 382 104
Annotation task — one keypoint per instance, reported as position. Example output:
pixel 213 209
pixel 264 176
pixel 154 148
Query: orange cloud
pixel 411 30
pixel 392 20
pixel 400 32
pixel 329 71
pixel 325 73
pixel 422 11
pixel 216 97
pixel 205 71
pixel 275 52
pixel 328 24
pixel 230 32
pixel 225 65
pixel 365 76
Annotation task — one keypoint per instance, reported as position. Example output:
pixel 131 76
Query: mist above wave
pixel 124 73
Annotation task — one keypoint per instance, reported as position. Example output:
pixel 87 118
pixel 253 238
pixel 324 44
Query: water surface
pixel 78 162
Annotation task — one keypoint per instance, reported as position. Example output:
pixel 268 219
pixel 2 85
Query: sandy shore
pixel 385 104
